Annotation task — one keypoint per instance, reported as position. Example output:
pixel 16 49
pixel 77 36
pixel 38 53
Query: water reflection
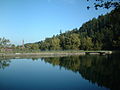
pixel 100 70
pixel 4 62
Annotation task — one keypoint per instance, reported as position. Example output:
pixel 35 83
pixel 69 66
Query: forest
pixel 102 33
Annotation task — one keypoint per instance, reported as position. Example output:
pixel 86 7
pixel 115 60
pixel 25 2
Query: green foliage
pixel 104 31
pixel 55 43
pixel 96 34
pixel 32 46
pixel 70 41
pixel 86 43
pixel 50 44
pixel 4 42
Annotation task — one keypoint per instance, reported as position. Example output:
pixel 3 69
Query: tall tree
pixel 86 43
pixel 54 43
pixel 4 42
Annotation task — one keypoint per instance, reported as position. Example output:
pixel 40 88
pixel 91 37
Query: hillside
pixel 102 33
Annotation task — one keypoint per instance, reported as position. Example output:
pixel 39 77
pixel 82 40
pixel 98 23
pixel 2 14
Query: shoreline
pixel 57 53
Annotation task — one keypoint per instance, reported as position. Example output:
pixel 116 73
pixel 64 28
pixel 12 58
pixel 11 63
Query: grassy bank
pixel 52 53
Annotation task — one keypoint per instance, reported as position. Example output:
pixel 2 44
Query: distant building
pixel 23 44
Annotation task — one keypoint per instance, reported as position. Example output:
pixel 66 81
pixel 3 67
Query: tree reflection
pixel 103 70
pixel 100 70
pixel 4 62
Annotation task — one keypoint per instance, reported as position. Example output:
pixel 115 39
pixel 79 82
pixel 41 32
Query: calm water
pixel 93 72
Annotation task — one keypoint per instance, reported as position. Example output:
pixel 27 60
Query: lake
pixel 87 72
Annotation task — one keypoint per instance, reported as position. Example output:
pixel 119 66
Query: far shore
pixel 59 53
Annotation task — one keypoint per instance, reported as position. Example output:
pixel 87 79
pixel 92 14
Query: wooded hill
pixel 102 33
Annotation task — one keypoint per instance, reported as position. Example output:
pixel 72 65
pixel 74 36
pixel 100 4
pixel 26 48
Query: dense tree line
pixel 102 33
pixel 96 34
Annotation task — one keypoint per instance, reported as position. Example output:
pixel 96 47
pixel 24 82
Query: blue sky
pixel 34 20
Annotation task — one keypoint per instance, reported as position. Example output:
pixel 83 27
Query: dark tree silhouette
pixel 105 4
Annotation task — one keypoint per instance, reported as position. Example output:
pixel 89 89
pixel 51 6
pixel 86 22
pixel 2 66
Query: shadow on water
pixel 100 70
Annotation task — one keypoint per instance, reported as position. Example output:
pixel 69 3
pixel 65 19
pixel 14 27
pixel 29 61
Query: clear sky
pixel 34 20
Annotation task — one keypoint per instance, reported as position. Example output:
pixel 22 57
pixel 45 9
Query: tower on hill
pixel 23 44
